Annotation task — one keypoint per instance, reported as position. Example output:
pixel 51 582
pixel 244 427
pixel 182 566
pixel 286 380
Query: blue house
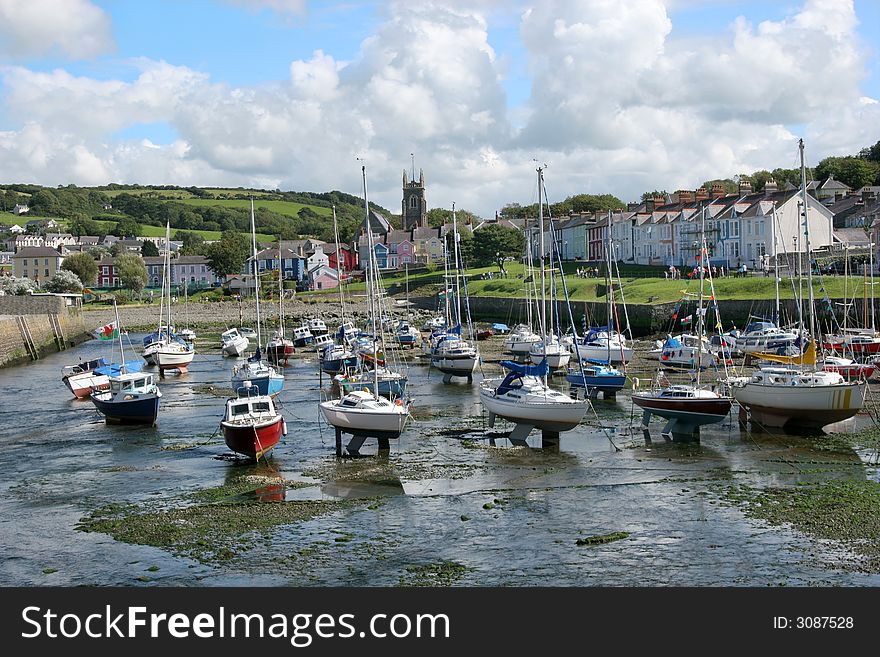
pixel 293 265
pixel 381 255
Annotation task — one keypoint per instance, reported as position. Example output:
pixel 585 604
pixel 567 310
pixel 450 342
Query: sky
pixel 613 96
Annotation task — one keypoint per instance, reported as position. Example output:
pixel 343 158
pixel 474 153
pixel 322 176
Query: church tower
pixel 414 206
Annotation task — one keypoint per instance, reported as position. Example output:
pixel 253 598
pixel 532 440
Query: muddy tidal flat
pixel 451 503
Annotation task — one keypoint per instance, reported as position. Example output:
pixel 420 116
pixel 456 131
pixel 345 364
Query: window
pixel 105 270
pixel 47 272
pixel 412 201
pixel 24 262
pixel 736 229
pixel 46 261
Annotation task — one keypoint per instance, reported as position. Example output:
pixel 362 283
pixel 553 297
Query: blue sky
pixel 611 94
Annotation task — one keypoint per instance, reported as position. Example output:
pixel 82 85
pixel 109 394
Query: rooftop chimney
pixel 770 187
pixel 717 190
pixel 745 187
pixel 658 201
pixel 684 196
pixel 701 194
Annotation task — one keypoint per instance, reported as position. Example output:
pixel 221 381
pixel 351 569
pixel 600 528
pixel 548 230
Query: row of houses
pixel 747 228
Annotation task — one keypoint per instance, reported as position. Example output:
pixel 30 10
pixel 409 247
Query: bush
pixel 16 286
pixel 64 281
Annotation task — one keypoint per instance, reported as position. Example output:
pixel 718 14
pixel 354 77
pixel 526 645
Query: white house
pixel 317 259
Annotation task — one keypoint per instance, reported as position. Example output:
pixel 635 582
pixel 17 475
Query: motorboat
pixel 132 397
pixel 233 343
pixel 252 425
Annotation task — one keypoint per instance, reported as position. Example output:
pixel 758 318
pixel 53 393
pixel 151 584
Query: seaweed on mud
pixel 209 525
pixel 441 573
pixel 601 539
pixel 844 511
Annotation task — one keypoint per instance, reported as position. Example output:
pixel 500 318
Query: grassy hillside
pixel 159 231
pixel 281 207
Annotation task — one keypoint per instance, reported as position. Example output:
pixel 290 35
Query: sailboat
pixel 338 357
pixel 452 354
pixel 279 347
pixel 687 407
pixel 363 413
pixel 521 337
pixel 797 395
pixel 600 375
pixel 522 396
pixel 187 333
pixel 132 397
pixel 173 353
pixel 260 374
pixel 550 347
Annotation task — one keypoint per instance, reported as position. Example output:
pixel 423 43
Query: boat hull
pixel 140 409
pixel 174 361
pixel 365 422
pixel 254 441
pixel 266 385
pixel 549 417
pixel 808 407
pixel 455 365
pixel 235 348
pixel 591 352
pixel 602 383
pixel 695 412
pixel 82 385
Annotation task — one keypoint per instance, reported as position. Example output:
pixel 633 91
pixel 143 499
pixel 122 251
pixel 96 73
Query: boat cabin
pixel 249 407
pixel 131 383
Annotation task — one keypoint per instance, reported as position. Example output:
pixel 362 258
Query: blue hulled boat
pixel 133 398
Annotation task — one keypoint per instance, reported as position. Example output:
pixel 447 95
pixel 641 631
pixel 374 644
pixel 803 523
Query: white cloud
pixel 617 106
pixel 77 28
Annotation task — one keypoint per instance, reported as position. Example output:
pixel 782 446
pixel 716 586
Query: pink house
pixel 324 277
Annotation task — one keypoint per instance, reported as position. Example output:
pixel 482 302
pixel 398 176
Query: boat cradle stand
pixel 676 429
pixel 521 431
pixel 447 378
pixel 357 440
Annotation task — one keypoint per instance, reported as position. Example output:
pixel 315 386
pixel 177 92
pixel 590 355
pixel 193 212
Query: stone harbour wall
pixel 36 315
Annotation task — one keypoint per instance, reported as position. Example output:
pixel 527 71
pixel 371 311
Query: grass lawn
pixel 636 290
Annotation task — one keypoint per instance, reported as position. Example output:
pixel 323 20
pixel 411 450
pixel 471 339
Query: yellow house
pixel 38 263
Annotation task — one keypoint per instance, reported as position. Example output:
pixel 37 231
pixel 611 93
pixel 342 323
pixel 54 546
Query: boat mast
pixel 610 292
pixel 455 260
pixel 701 263
pixel 542 319
pixel 370 288
pixel 807 238
pixel 280 294
pixel 775 264
pixel 339 270
pixel 871 268
pixel 122 369
pixel 168 274
pixel 256 272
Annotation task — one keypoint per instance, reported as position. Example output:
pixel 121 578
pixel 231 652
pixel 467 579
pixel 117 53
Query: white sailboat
pixel 687 407
pixel 452 354
pixel 360 413
pixel 798 396
pixel 550 347
pixel 523 396
pixel 280 348
pixel 174 352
